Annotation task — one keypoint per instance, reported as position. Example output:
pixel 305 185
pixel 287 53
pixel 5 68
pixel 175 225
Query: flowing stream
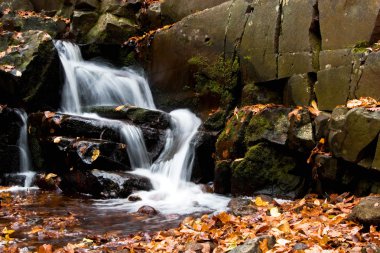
pixel 89 83
pixel 22 143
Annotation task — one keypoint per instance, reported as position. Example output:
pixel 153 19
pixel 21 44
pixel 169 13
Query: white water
pixel 93 83
pixel 22 143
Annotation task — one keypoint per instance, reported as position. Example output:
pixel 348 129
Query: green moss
pixel 257 127
pixel 215 78
pixel 264 166
pixel 361 47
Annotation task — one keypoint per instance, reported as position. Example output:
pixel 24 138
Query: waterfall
pixel 90 83
pixel 22 143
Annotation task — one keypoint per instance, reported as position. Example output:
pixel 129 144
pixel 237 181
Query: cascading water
pixel 93 83
pixel 22 143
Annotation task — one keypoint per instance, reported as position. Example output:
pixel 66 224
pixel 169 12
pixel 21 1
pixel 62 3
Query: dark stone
pixel 367 211
pixel 222 179
pixel 147 210
pixel 203 168
pixel 298 90
pixel 300 133
pixel 262 93
pixel 215 121
pixel 242 207
pixel 134 198
pixel 12 180
pixel 321 125
pixel 266 169
pixel 252 245
pixel 134 183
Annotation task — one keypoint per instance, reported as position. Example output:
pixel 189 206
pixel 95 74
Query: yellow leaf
pixel 50 175
pixel 284 227
pixel 35 229
pixel 7 231
pixel 260 202
pixel 119 108
pixel 85 240
pixel 57 139
pixel 95 154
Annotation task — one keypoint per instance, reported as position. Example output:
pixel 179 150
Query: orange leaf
pixel 263 245
pixel 49 114
pixel 46 248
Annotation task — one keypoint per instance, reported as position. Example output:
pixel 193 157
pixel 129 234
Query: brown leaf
pixel 49 114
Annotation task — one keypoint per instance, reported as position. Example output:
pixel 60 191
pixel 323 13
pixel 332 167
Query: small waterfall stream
pixel 93 83
pixel 22 143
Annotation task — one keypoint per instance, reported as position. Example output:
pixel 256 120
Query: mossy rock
pixel 216 121
pixel 230 143
pixel 266 168
pixel 271 124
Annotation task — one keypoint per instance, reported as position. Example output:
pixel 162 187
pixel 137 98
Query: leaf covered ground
pixel 306 225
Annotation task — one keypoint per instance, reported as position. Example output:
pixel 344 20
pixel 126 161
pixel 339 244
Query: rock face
pixel 29 69
pixel 252 246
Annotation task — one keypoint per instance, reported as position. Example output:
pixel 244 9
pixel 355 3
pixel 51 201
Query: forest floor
pixel 306 225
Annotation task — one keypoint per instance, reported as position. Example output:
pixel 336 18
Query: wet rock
pixel 271 124
pixel 50 7
pixel 367 211
pixel 134 198
pixel 345 16
pixel 147 210
pixel 266 169
pixel 102 184
pixel 111 29
pixel 215 121
pixel 204 144
pixel 10 125
pixel 252 245
pixel 32 75
pixel 12 180
pixel 48 124
pixel 222 179
pixel 136 115
pixel 175 10
pixel 242 207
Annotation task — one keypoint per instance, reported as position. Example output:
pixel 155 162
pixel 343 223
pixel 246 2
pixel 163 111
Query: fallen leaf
pixel 260 202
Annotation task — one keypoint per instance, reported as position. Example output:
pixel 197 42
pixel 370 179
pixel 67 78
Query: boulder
pixel 50 7
pixel 82 22
pixel 111 29
pixel 267 169
pixel 147 210
pixel 358 129
pixel 253 245
pixel 125 9
pixel 150 18
pixel 48 124
pixel 367 211
pixel 175 10
pixel 102 184
pixel 271 124
pixel 300 133
pixel 349 26
pixel 27 70
pixel 230 143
